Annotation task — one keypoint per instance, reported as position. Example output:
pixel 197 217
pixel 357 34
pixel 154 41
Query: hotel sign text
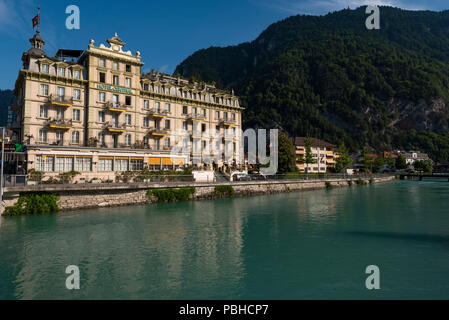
pixel 115 89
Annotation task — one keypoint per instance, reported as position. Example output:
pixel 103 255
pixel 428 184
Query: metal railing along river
pixel 135 178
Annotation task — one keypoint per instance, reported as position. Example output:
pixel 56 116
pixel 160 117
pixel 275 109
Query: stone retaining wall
pixel 109 197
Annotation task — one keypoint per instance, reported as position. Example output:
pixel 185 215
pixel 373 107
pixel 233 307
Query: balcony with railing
pixel 57 142
pixel 60 124
pixel 61 101
pixel 196 117
pixel 158 113
pixel 116 107
pixel 228 122
pixel 115 127
pixel 159 132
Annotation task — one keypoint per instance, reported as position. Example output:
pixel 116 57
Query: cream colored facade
pixel 102 107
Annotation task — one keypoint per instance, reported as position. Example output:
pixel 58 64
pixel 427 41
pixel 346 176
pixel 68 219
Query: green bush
pixel 371 180
pixel 328 185
pixel 350 183
pixel 224 191
pixel 360 182
pixel 33 204
pixel 171 195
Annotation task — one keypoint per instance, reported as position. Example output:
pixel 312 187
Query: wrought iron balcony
pixel 116 107
pixel 196 117
pixel 115 127
pixel 158 113
pixel 228 122
pixel 159 132
pixel 60 124
pixel 62 101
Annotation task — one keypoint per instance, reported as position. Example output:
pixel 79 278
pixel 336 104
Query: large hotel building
pixel 95 112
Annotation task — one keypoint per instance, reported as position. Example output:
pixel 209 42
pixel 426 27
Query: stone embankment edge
pixel 78 197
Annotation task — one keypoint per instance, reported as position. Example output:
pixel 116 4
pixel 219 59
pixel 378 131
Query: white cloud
pixel 324 6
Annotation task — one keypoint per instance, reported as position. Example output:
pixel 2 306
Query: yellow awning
pixel 167 161
pixel 154 161
pixel 178 162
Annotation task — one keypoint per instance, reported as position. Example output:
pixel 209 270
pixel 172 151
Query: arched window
pixel 75 137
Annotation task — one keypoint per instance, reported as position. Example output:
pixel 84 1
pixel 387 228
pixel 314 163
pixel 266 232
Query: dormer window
pixel 128 68
pixel 76 74
pixel 61 71
pixel 44 68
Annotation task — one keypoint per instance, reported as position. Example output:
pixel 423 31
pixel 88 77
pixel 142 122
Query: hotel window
pixel 42 135
pixel 204 145
pixel 204 112
pixel 101 138
pixel 61 71
pixel 157 106
pixel 185 110
pixel 145 87
pixel 128 68
pixel 44 68
pixel 128 100
pixel 102 96
pixel 146 122
pixel 128 119
pixel 59 137
pixel 102 77
pixel 167 107
pixel 103 63
pixel 167 91
pixel 101 116
pixel 64 164
pixel 146 104
pixel 226 116
pixel 167 142
pixel 203 127
pixel 233 103
pixel 128 139
pixel 77 94
pixel 115 65
pixel 194 110
pixel 167 124
pixel 105 165
pixel 121 165
pixel 60 114
pixel 76 74
pixel 45 164
pixel 75 137
pixel 184 94
pixel 115 80
pixel 76 115
pixel 184 125
pixel 233 116
pixel 44 89
pixel 43 112
pixel 136 165
pixel 128 82
pixel 194 96
pixel 146 141
pixel 217 115
pixel 83 164
pixel 115 99
pixel 61 92
pixel 156 89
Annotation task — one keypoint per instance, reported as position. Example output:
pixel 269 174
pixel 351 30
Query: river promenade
pixel 87 196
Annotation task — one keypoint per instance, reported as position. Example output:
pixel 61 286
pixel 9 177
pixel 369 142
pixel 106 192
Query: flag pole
pixel 39 17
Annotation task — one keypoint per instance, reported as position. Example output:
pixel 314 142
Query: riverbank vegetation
pixel 171 195
pixel 33 204
pixel 224 191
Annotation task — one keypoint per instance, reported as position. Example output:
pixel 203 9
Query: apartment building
pixel 324 155
pixel 95 112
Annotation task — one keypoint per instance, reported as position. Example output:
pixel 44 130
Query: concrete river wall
pixel 76 197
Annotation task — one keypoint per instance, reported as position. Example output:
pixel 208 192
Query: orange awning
pixel 178 162
pixel 154 161
pixel 167 161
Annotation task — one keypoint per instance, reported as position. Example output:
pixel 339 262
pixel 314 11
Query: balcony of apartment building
pixel 59 124
pixel 114 127
pixel 57 142
pixel 60 101
pixel 196 117
pixel 227 122
pixel 158 132
pixel 158 113
pixel 116 107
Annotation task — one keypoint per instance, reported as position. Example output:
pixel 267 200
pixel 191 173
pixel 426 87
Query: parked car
pixel 241 177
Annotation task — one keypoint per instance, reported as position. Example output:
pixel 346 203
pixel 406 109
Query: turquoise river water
pixel 305 245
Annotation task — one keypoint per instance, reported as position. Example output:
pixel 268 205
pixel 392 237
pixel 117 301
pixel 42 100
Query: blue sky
pixel 165 32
